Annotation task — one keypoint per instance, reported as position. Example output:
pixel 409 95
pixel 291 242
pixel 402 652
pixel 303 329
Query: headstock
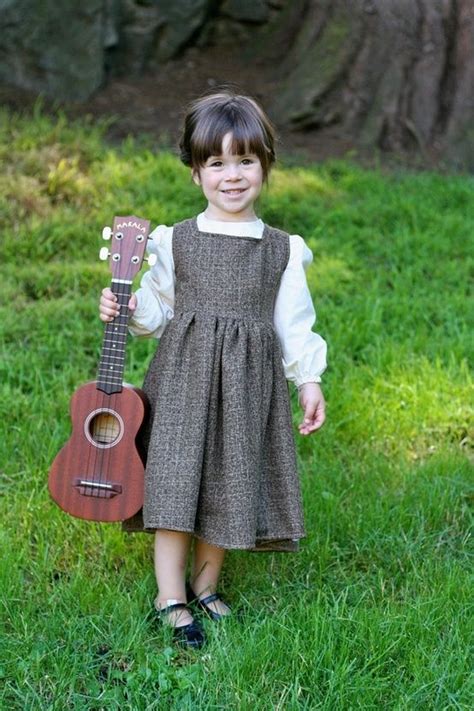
pixel 127 249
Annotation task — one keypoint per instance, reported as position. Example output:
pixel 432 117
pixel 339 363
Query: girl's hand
pixel 108 306
pixel 312 401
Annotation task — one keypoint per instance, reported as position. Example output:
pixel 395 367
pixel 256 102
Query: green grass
pixel 375 611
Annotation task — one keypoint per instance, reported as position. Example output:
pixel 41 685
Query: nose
pixel 233 172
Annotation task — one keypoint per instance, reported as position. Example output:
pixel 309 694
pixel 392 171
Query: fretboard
pixel 112 360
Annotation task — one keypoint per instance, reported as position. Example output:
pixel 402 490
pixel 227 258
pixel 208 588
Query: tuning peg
pixel 104 254
pixel 151 259
pixel 106 233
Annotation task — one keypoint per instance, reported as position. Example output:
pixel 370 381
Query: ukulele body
pixel 99 473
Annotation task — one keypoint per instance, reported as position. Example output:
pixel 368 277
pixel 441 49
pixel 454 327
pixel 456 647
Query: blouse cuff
pixel 309 379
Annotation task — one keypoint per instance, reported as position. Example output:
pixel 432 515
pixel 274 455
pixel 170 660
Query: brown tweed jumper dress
pixel 221 454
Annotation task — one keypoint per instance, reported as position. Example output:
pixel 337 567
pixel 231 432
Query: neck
pixel 227 218
pixel 112 359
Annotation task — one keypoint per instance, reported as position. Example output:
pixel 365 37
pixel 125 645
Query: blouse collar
pixel 254 228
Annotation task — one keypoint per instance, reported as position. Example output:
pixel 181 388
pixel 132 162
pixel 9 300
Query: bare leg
pixel 207 565
pixel 171 553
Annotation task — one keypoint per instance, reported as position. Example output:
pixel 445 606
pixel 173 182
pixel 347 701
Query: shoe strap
pixel 171 605
pixel 210 598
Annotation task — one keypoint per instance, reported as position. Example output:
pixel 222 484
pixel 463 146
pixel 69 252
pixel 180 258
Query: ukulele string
pixel 101 431
pixel 92 469
pixel 99 435
pixel 102 404
pixel 111 379
pixel 112 424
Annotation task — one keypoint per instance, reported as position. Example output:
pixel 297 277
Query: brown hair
pixel 210 117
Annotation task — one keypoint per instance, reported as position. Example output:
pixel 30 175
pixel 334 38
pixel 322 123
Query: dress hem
pixel 291 539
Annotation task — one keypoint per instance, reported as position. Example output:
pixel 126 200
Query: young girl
pixel 229 301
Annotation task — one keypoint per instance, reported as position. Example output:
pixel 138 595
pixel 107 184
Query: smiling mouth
pixel 234 191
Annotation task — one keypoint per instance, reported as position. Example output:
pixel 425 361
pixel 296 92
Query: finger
pixel 306 427
pixel 309 429
pixel 107 314
pixel 108 303
pixel 108 299
pixel 109 294
pixel 108 310
pixel 310 411
pixel 106 317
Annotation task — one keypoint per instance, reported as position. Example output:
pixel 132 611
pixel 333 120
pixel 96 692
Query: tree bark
pixel 396 74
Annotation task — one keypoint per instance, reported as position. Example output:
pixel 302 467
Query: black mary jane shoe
pixel 204 603
pixel 190 635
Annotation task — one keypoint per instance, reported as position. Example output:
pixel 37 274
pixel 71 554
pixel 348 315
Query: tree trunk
pixel 396 74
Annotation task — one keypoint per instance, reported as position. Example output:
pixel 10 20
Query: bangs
pixel 247 137
pixel 212 117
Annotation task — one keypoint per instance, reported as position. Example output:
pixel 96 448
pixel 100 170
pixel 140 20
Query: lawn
pixel 375 612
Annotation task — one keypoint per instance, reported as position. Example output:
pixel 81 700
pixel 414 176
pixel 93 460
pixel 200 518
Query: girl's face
pixel 231 184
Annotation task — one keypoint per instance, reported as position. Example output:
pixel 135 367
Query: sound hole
pixel 104 428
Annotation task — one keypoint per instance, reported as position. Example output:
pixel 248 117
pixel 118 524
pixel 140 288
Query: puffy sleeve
pixel 155 297
pixel 304 351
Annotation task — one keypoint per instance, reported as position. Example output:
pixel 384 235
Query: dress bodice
pixel 226 275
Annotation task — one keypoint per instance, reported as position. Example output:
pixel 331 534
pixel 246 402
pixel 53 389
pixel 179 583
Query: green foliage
pixel 373 613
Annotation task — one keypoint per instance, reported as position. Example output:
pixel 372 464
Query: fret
pixel 124 311
pixel 116 334
pixel 121 330
pixel 122 314
pixel 115 352
pixel 117 341
pixel 108 356
pixel 112 353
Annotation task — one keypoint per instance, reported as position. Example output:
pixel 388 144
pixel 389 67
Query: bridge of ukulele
pixel 100 489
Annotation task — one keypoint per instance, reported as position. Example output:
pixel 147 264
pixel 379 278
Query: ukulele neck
pixel 112 360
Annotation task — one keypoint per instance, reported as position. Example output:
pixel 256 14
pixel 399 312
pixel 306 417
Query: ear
pixel 195 176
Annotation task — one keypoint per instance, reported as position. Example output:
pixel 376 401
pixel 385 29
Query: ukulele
pixel 99 473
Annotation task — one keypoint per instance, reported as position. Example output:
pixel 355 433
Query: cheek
pixel 211 182
pixel 258 176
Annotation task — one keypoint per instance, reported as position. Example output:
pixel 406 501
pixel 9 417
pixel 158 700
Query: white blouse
pixel 304 351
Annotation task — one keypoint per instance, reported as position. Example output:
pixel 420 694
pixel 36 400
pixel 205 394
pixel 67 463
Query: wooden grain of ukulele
pixel 98 474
